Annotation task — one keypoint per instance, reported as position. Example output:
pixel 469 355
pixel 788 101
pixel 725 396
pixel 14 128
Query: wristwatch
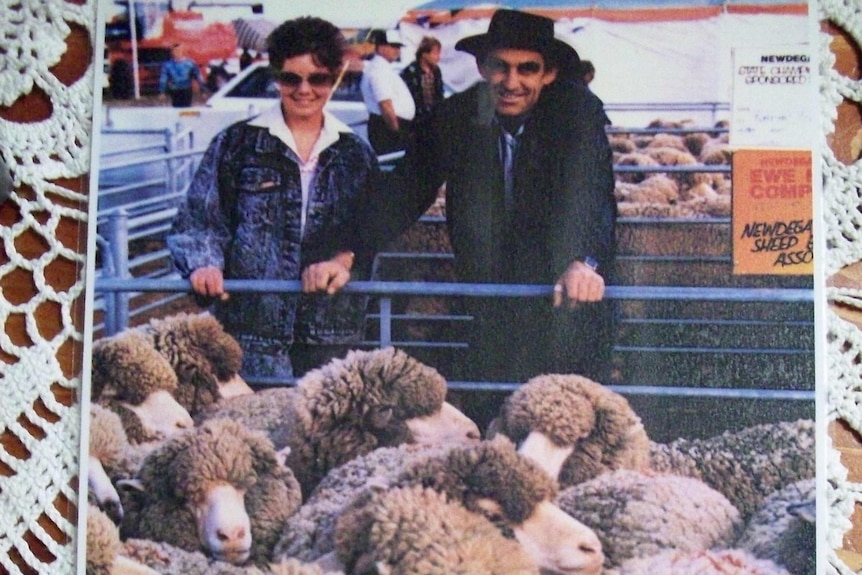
pixel 591 263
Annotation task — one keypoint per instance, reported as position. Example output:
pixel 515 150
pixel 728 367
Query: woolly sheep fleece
pixel 711 562
pixel 416 531
pixel 639 515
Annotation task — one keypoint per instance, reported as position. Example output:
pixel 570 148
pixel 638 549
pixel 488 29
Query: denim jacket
pixel 242 215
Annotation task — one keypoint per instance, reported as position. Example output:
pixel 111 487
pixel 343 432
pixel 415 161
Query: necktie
pixel 508 148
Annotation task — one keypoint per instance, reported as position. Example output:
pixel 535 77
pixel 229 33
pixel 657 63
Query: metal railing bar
pixel 693 168
pixel 674 258
pixel 716 322
pixel 105 192
pixel 712 350
pixel 479 290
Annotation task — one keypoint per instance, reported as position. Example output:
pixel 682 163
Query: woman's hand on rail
pixel 208 282
pixel 329 276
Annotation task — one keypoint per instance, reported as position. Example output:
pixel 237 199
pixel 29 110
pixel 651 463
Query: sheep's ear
pixel 379 416
pixel 282 454
pixel 131 486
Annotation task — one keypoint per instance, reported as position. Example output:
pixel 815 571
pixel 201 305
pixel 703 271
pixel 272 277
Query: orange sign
pixel 772 212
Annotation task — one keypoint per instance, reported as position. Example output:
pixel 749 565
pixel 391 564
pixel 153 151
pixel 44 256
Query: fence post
pixel 118 244
pixel 385 322
pixel 170 146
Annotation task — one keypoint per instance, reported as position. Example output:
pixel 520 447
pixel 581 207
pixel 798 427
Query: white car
pixel 253 90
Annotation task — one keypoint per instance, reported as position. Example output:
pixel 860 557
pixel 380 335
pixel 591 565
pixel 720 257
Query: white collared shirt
pixel 273 120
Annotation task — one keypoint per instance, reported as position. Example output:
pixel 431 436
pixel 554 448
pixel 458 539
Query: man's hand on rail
pixel 208 282
pixel 579 283
pixel 329 276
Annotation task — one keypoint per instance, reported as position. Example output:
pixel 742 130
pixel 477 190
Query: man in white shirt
pixel 390 105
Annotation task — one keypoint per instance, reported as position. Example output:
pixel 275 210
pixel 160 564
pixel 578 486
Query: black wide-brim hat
pixel 521 31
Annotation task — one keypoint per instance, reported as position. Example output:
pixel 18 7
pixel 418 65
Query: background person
pixel 390 105
pixel 529 200
pixel 423 77
pixel 278 197
pixel 177 77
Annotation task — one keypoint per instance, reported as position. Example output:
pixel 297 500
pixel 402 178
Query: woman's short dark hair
pixel 307 35
pixel 427 44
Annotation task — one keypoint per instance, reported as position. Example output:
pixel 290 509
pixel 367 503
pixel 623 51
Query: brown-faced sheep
pixel 351 406
pixel 492 479
pixel 574 428
pixel 418 531
pixel 220 488
pixel 637 160
pixel 132 379
pixel 638 515
pixel 745 465
pixel 205 358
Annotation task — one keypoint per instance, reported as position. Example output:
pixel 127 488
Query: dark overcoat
pixel 564 210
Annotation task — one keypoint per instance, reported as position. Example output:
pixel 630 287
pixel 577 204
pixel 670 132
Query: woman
pixel 423 77
pixel 278 197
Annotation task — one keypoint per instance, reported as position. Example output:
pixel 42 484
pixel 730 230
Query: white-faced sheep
pixel 220 488
pixel 132 379
pixel 574 428
pixel 638 515
pixel 205 358
pixel 745 465
pixel 351 406
pixel 708 562
pixel 418 531
pixel 492 479
pixel 783 528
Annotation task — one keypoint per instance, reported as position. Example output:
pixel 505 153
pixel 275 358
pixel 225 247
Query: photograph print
pixel 452 287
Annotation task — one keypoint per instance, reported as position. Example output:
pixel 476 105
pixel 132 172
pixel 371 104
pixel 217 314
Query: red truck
pixel 203 42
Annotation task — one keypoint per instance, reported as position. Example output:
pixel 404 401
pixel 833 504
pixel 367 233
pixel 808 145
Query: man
pixel 424 78
pixel 390 105
pixel 529 200
pixel 176 78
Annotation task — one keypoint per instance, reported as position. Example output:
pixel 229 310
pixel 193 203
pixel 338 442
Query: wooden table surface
pixel 846 142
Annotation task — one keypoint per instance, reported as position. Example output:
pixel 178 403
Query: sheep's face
pixel 559 544
pixel 224 527
pixel 160 415
pixel 233 387
pixel 446 426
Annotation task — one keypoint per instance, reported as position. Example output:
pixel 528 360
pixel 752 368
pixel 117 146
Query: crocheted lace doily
pixel 35 489
pixel 46 156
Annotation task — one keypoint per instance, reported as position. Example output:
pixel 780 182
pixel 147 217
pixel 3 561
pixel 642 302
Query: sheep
pixel 708 562
pixel 716 153
pixel 783 528
pixel 695 141
pixel 489 478
pixel 574 428
pixel 417 531
pixel 106 443
pixel 104 549
pixel 132 379
pixel 664 140
pixel 745 465
pixel 637 514
pixel 219 487
pixel 351 406
pixel 637 159
pixel 205 358
pixel 309 533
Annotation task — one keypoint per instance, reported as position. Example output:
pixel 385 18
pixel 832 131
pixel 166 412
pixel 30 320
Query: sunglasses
pixel 315 80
